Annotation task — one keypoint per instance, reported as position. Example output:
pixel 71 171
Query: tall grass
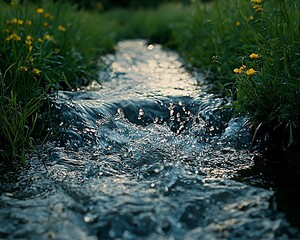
pixel 271 94
pixel 252 47
pixel 38 54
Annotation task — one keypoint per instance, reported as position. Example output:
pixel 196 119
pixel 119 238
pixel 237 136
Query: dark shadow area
pixel 278 171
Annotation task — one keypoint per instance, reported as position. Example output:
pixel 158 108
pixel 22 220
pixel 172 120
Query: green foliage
pixel 38 54
pixel 104 5
pixel 271 94
pixel 220 38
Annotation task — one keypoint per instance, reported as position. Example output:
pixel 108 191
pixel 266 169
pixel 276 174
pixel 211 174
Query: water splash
pixel 151 155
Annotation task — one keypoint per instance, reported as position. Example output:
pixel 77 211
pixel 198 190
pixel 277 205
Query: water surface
pixel 148 155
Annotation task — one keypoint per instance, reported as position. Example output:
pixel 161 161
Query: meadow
pixel 249 49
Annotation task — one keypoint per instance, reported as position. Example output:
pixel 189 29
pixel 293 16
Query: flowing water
pixel 149 155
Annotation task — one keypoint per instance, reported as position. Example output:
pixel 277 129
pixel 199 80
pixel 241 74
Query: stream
pixel 150 154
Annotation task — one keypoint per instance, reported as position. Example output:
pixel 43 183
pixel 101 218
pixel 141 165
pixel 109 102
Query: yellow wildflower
pixel 29 41
pixel 13 36
pixel 29 22
pixel 236 70
pixel 40 40
pixel 250 71
pixel 258 8
pixel 36 71
pixel 30 48
pixel 254 56
pixel 40 10
pixel 256 1
pixel 239 70
pixel 251 18
pixel 45 24
pixel 20 22
pixel 15 21
pixel 48 37
pixel 238 23
pixel 61 28
pixel 24 69
pixel 242 68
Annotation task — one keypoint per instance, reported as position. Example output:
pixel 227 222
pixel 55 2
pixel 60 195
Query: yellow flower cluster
pixel 29 41
pixel 254 56
pixel 257 5
pixel 239 70
pixel 24 69
pixel 17 21
pixel 22 31
pixel 35 71
pixel 13 36
pixel 242 69
pixel 249 71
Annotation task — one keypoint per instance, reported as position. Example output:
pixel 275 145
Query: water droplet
pixel 120 112
pixel 150 47
pixel 89 218
pixel 141 114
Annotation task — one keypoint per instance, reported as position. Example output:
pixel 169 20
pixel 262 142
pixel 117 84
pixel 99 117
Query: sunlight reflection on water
pixel 149 156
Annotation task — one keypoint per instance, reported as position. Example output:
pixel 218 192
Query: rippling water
pixel 149 155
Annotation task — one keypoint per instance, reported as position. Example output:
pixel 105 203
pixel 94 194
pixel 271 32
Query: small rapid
pixel 149 154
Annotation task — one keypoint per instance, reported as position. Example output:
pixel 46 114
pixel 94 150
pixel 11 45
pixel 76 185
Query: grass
pixel 251 48
pixel 271 93
pixel 38 55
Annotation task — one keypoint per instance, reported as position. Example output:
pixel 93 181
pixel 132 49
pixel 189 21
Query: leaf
pixel 291 139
